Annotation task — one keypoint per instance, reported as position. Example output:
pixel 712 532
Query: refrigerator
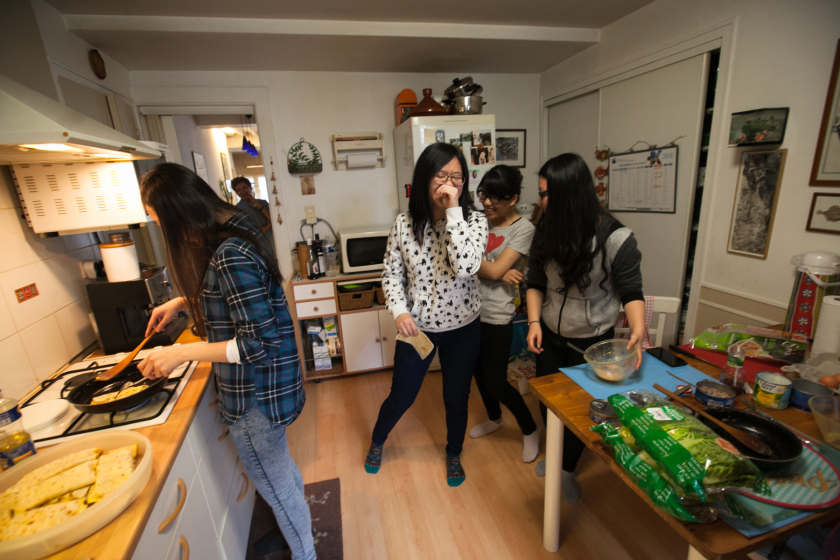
pixel 474 134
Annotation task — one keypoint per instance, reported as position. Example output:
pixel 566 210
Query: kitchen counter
pixel 118 539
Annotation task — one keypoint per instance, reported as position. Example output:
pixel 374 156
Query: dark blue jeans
pixel 458 350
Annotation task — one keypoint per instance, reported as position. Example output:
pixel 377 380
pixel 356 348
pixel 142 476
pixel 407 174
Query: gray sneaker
pixel 540 469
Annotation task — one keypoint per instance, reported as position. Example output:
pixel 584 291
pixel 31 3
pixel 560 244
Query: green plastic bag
pixel 644 476
pixel 682 468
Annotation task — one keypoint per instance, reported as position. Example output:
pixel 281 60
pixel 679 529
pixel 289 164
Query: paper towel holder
pixel 356 144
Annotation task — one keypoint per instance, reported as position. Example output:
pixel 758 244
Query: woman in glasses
pixel 507 244
pixel 433 254
pixel 583 266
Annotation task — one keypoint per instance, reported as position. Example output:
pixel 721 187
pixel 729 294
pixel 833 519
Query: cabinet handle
pixel 223 436
pixel 384 339
pixel 245 491
pixel 212 404
pixel 314 309
pixel 185 546
pixel 377 340
pixel 168 521
pixel 314 291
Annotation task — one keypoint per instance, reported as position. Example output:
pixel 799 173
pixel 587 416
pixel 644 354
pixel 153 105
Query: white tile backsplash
pixel 63 278
pixel 7 324
pixel 45 347
pixel 14 250
pixel 16 376
pixel 32 310
pixel 75 327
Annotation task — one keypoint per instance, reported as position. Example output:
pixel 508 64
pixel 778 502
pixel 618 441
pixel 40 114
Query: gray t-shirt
pixel 255 215
pixel 497 306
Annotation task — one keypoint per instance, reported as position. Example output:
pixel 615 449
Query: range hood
pixel 37 129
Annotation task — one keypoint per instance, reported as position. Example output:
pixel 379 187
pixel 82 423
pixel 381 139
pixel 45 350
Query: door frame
pixel 718 37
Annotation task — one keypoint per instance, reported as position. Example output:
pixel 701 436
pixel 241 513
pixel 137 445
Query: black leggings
pixel 491 377
pixel 555 355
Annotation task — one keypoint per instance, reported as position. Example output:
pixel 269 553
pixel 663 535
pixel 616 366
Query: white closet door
pixel 573 127
pixel 657 107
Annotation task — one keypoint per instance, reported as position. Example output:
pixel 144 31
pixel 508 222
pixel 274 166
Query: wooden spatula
pixel 117 369
pixel 744 437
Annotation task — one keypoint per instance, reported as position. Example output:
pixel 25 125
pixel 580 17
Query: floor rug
pixel 324 499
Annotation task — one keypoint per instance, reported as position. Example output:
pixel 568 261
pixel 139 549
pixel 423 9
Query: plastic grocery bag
pixel 758 342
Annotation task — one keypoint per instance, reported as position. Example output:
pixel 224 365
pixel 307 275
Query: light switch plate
pixel 310 214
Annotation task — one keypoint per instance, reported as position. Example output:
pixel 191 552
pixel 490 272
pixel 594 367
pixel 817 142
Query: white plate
pixel 42 414
pixel 79 527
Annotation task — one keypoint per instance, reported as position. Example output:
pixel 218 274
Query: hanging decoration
pixel 276 202
pixel 304 158
pixel 273 178
pixel 601 173
pixel 247 145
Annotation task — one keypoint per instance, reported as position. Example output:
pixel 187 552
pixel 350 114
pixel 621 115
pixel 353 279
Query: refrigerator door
pixel 474 134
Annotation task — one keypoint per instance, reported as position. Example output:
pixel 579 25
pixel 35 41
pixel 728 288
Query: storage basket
pixel 380 296
pixel 355 300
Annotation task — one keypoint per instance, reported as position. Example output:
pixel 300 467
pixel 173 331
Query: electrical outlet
pixel 310 214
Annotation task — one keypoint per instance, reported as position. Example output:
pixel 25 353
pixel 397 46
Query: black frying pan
pixel 81 394
pixel 785 445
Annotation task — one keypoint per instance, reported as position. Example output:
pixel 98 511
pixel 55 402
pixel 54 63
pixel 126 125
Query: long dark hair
pixel 565 231
pixel 502 182
pixel 433 159
pixel 189 211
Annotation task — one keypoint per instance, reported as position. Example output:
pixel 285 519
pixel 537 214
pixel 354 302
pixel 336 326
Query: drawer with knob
pixel 315 308
pixel 318 290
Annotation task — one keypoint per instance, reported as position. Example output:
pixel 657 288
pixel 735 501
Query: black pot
pixel 786 447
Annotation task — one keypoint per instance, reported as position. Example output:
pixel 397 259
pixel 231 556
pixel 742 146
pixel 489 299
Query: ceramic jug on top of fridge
pixel 817 276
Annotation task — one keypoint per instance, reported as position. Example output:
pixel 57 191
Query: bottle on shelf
pixel 322 257
pixel 733 373
pixel 15 443
pixel 313 260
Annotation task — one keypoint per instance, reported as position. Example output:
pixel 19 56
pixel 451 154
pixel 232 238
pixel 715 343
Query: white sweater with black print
pixel 434 279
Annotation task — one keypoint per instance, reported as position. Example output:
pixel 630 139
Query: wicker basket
pixel 380 296
pixel 355 300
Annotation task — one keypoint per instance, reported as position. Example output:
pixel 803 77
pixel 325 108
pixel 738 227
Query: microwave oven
pixel 363 250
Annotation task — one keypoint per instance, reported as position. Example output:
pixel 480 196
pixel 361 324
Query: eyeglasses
pixel 456 178
pixel 482 196
pixel 542 194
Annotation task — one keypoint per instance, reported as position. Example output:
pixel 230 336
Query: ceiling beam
pixel 83 22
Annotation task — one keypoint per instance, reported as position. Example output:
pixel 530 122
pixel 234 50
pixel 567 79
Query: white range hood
pixel 37 129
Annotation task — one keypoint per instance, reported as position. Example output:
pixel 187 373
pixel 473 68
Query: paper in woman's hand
pixel 421 343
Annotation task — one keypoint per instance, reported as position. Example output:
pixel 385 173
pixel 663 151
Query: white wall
pixel 39 335
pixel 315 105
pixel 780 56
pixel 205 141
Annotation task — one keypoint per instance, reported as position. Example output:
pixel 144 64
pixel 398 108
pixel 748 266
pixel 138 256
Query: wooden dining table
pixel 568 404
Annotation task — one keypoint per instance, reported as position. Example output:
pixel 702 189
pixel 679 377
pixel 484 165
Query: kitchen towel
pixel 652 371
pixel 828 328
pixel 354 161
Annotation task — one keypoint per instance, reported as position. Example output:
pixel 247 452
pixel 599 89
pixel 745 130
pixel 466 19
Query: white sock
pixel 569 487
pixel 485 428
pixel 531 446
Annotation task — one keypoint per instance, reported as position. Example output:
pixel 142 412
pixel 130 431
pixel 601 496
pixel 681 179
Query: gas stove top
pixel 72 423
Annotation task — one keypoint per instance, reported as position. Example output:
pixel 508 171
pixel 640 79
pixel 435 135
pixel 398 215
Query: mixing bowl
pixel 826 411
pixel 611 360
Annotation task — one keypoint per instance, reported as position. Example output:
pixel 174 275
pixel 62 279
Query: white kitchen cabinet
pixel 202 424
pixel 362 344
pixel 194 532
pixel 239 511
pixel 388 332
pixel 215 473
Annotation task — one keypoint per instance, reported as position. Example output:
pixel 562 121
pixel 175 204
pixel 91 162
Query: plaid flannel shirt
pixel 239 298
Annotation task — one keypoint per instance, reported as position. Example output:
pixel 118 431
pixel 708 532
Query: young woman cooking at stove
pixel 225 268
pixel 433 254
pixel 508 242
pixel 583 266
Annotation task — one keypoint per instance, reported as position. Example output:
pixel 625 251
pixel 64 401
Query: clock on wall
pixel 97 64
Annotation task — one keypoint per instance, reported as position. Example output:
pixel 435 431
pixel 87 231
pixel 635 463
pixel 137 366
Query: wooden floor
pixel 407 511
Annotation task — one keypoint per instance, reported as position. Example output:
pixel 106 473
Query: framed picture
pixel 225 166
pixel 825 213
pixel 510 147
pixel 200 166
pixel 761 126
pixel 826 169
pixel 756 194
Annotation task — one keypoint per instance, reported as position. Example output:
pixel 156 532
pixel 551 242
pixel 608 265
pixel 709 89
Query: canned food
pixel 600 411
pixel 772 390
pixel 802 390
pixel 714 394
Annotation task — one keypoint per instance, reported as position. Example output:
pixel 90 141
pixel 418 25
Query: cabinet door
pixel 240 509
pixel 215 473
pixel 194 532
pixel 388 330
pixel 362 345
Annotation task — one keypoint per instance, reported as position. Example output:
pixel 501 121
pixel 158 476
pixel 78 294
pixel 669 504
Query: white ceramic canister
pixel 120 258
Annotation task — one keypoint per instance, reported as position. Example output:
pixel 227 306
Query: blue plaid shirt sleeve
pixel 243 284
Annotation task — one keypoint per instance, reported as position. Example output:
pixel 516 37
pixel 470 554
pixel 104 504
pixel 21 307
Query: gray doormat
pixel 324 499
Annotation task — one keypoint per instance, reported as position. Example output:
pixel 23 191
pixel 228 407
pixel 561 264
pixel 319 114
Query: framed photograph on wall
pixel 826 169
pixel 510 147
pixel 200 166
pixel 756 194
pixel 761 126
pixel 225 166
pixel 825 213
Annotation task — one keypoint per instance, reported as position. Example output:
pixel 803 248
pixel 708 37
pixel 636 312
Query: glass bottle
pixel 733 373
pixel 313 260
pixel 15 443
pixel 322 258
